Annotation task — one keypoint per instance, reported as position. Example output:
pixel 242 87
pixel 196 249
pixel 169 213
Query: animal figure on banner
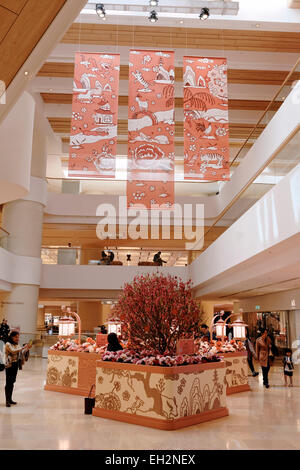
pixel 206 140
pixel 93 141
pixel 151 129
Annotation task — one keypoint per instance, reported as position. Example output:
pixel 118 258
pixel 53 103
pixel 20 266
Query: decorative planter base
pixel 160 423
pixel 236 377
pixel 238 389
pixel 166 398
pixel 71 372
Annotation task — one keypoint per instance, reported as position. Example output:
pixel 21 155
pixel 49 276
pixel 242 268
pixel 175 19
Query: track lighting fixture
pixel 204 15
pixel 100 10
pixel 153 18
pixel 153 3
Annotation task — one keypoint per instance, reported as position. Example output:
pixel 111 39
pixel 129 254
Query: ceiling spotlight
pixel 204 14
pixel 153 3
pixel 153 18
pixel 100 10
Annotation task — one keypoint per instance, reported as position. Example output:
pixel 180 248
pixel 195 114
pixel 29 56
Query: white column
pixel 23 219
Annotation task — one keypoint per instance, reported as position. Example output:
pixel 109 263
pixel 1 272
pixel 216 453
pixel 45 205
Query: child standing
pixel 288 367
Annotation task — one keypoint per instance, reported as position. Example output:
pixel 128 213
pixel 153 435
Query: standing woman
pixel 263 347
pixel 12 350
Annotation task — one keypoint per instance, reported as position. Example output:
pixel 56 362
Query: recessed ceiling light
pixel 50 89
pixel 153 3
pixel 100 10
pixel 26 73
pixel 181 21
pixel 204 14
pixel 257 25
pixel 153 18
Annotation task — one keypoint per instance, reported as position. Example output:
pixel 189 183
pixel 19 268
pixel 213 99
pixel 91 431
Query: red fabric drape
pixel 206 141
pixel 93 141
pixel 151 129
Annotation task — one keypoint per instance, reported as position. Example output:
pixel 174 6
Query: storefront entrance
pixel 275 322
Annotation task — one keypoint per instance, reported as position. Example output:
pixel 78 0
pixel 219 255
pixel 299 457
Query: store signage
pixel 101 340
pixel 151 130
pixel 93 141
pixel 206 128
pixel 185 346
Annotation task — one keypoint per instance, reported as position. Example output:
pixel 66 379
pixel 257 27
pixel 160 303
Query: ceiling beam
pixel 173 38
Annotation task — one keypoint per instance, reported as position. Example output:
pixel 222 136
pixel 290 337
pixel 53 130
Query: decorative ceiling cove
pixel 22 24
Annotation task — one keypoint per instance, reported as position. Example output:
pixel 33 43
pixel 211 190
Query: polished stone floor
pixel 260 419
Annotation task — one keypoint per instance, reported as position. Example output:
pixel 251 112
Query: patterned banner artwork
pixel 93 142
pixel 206 141
pixel 151 129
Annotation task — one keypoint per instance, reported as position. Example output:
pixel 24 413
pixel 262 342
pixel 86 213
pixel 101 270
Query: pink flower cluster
pixel 149 358
pixel 72 345
pixel 216 347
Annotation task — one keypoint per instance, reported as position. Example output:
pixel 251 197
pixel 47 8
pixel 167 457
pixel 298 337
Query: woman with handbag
pixel 12 350
pixel 263 349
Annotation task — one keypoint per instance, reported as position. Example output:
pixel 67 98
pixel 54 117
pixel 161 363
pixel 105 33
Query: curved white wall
pixel 16 132
pixel 16 269
pixel 98 277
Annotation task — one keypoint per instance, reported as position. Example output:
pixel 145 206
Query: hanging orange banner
pixel 151 130
pixel 205 101
pixel 93 141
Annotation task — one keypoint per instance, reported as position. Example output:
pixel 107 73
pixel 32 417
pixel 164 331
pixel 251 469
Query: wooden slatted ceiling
pixel 22 24
pixel 236 131
pixel 13 5
pixel 253 77
pixel 173 38
pixel 7 19
pixel 254 105
pixel 85 235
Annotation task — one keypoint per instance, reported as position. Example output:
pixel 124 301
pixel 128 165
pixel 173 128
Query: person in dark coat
pixel 251 353
pixel 12 352
pixel 4 330
pixel 113 343
pixel 157 259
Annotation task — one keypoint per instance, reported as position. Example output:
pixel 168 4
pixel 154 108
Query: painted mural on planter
pixel 62 371
pixel 158 395
pixel 236 370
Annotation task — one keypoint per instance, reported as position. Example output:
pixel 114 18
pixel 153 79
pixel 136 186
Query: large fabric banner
pixel 151 129
pixel 93 142
pixel 205 101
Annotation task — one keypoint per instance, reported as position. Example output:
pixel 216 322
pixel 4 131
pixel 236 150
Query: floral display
pixel 73 345
pixel 156 311
pixel 217 347
pixel 150 358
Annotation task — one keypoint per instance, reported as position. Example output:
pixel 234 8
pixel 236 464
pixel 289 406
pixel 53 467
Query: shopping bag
pixel 89 403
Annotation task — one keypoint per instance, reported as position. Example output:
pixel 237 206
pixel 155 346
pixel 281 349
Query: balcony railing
pixel 64 255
